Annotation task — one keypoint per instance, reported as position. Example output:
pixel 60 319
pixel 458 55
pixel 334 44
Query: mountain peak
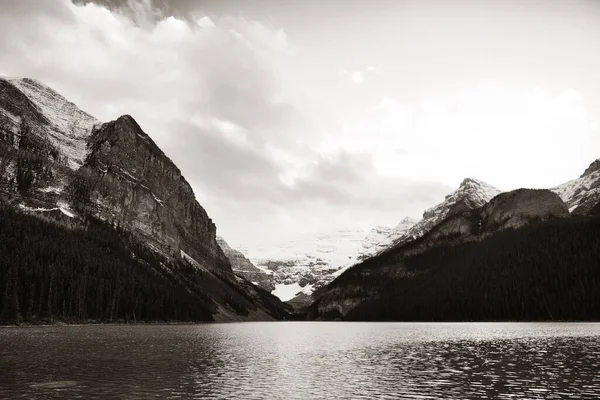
pixel 594 166
pixel 470 182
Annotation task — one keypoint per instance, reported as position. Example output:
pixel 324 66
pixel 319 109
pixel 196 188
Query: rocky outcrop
pixel 594 167
pixel 243 267
pixel 520 207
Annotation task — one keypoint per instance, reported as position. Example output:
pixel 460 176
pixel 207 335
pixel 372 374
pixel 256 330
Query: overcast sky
pixel 291 116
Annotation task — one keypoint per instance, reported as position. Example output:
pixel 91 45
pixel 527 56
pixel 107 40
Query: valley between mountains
pixel 99 225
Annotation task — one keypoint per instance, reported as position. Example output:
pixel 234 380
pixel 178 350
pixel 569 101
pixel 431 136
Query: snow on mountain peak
pixel 69 127
pixel 471 194
pixel 581 194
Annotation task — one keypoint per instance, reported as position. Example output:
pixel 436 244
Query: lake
pixel 302 360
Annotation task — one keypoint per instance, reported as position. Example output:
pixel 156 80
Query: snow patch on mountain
pixel 69 126
pixel 287 292
pixel 307 260
pixel 382 237
pixel 471 194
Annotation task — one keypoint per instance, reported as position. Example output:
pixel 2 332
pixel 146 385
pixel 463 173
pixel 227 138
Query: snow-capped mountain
pixel 308 262
pixel 381 237
pixel 66 126
pixel 300 266
pixel 57 160
pixel 582 194
pixel 471 194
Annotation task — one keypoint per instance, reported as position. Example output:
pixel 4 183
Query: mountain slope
pixel 382 237
pixel 532 273
pixel 471 194
pixel 583 193
pixel 69 127
pixel 243 267
pixel 367 280
pixel 56 158
pixel 307 263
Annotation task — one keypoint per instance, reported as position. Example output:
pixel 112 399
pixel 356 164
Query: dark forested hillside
pixel 543 271
pixel 53 269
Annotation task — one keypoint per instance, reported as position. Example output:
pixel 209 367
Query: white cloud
pixel 357 77
pixel 271 140
pixel 510 138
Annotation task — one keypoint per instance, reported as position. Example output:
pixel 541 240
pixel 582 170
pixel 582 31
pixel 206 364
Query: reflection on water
pixel 302 360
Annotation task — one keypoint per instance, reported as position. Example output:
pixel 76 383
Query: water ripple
pixel 302 360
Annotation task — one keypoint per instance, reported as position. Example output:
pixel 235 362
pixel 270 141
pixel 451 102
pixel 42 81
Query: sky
pixel 291 117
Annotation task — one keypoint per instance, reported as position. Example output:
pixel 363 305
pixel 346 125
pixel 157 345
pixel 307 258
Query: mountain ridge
pixel 55 157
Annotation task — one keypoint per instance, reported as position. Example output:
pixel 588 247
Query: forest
pixel 57 268
pixel 544 271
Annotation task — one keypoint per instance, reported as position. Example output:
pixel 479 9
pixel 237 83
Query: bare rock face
pixel 582 194
pixel 243 266
pixel 520 207
pixel 594 167
pixel 127 179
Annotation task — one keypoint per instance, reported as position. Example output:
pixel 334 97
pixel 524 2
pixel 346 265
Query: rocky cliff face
pixel 39 146
pixel 243 267
pixel 583 193
pixel 520 207
pixel 126 178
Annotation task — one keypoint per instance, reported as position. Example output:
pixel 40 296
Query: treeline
pixel 543 271
pixel 81 271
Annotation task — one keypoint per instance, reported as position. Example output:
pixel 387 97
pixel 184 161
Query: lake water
pixel 302 360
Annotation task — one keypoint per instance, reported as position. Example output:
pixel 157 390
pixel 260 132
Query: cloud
pixel 227 99
pixel 358 77
pixel 510 138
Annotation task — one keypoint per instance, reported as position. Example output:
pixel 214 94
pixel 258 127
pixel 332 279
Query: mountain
pixel 382 237
pixel 57 158
pixel 302 265
pixel 471 194
pixel 243 267
pixel 545 271
pixel 582 194
pixel 379 279
pixel 299 267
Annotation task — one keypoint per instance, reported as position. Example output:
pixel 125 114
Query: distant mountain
pixel 382 237
pixel 302 265
pixel 56 158
pixel 243 267
pixel 299 267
